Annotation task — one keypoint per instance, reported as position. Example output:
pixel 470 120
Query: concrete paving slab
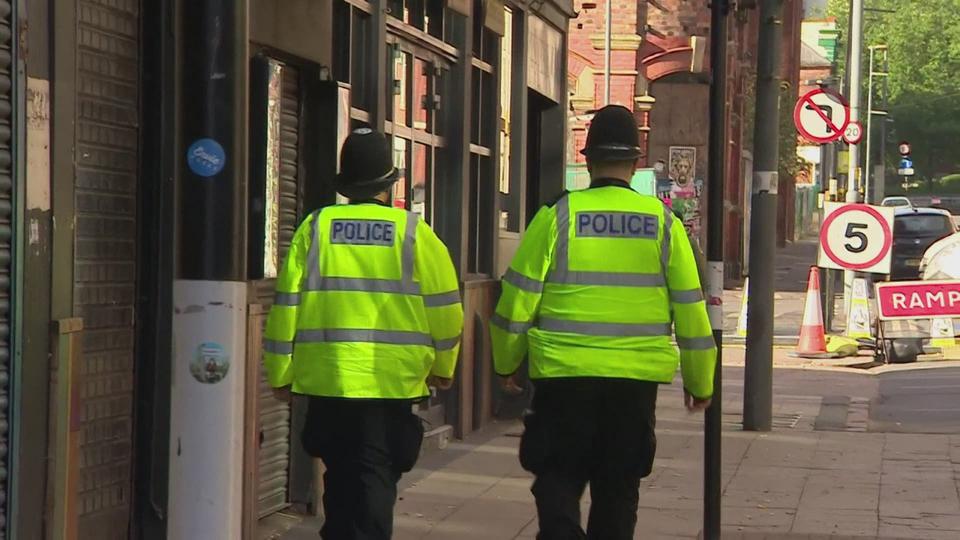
pixel 828 491
pixel 837 522
pixel 771 520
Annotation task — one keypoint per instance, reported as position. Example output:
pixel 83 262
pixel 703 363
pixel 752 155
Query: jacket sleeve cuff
pixel 279 369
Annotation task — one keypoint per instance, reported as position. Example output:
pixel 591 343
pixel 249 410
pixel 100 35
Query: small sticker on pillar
pixel 210 363
pixel 206 158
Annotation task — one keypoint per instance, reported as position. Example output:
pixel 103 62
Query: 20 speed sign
pixel 856 237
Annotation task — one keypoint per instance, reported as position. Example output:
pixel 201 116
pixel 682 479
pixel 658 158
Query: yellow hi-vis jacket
pixel 367 306
pixel 598 281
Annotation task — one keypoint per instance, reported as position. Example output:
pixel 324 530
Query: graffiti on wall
pixel 681 189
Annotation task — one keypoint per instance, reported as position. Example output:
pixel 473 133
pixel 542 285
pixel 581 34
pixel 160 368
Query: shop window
pixel 414 87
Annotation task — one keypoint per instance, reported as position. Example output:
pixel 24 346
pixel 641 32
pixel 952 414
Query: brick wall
pixel 586 51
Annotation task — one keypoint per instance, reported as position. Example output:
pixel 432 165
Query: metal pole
pixel 209 291
pixel 869 158
pixel 607 39
pixel 758 375
pixel 854 74
pixel 713 464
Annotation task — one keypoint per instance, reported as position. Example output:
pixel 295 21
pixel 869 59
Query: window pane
pixel 421 179
pixel 506 63
pixel 488 115
pixel 401 89
pixel 476 110
pixel 421 115
pixel 401 151
pixel 271 232
pixel 362 87
pixel 341 41
pixel 434 18
pixel 395 8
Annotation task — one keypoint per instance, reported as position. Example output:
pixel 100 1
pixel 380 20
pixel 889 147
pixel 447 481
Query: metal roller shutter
pixel 6 247
pixel 107 160
pixel 274 467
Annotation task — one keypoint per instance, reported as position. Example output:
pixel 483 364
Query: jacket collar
pixel 609 182
pixel 370 201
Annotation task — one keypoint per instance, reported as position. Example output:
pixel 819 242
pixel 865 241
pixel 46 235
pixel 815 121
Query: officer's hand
pixel 509 386
pixel 282 393
pixel 693 404
pixel 439 382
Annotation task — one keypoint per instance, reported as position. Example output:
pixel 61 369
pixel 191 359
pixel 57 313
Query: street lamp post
pixel 607 39
pixel 870 114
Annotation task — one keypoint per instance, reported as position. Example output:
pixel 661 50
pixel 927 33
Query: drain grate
pixel 779 421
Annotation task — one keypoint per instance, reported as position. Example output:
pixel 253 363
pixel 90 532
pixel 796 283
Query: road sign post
pixel 822 116
pixel 856 237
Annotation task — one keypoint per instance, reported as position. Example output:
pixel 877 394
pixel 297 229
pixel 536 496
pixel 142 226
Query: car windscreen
pixel 922 225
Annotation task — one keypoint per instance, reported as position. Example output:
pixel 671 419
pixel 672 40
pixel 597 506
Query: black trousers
pixel 365 445
pixel 589 431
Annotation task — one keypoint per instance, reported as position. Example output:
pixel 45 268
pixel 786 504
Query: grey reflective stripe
pixel 313 255
pixel 443 299
pixel 366 285
pixel 612 279
pixel 513 327
pixel 665 244
pixel 604 329
pixel 278 347
pixel 696 344
pixel 686 297
pixel 409 241
pixel 521 281
pixel 563 234
pixel 286 299
pixel 340 335
pixel 447 344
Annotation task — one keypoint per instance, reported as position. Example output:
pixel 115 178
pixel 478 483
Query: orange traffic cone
pixel 812 340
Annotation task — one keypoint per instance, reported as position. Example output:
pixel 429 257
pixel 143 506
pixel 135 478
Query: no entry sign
pixel 821 116
pixel 918 300
pixel 856 237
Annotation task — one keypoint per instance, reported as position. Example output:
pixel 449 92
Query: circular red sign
pixel 837 130
pixel 884 226
pixel 854 133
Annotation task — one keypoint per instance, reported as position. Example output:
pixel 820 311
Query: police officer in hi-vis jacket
pixel 602 279
pixel 367 310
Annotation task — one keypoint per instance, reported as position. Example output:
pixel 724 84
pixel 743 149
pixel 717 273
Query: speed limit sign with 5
pixel 856 237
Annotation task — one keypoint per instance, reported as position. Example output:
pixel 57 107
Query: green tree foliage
pixel 923 39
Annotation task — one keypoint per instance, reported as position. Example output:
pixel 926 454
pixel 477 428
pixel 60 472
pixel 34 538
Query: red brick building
pixel 660 68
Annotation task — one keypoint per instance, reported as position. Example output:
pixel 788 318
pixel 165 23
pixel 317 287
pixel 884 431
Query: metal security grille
pixel 108 88
pixel 6 246
pixel 274 467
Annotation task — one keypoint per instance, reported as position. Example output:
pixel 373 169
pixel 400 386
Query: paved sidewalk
pixel 792 266
pixel 793 481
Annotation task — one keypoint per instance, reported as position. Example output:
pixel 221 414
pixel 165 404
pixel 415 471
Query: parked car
pixel 896 201
pixel 915 230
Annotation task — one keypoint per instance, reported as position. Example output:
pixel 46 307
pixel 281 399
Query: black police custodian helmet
pixel 366 165
pixel 613 135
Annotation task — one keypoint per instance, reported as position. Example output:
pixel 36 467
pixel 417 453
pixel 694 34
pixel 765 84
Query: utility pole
pixel 758 375
pixel 854 74
pixel 209 290
pixel 607 46
pixel 713 463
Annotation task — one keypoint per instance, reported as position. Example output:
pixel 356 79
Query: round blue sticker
pixel 206 157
